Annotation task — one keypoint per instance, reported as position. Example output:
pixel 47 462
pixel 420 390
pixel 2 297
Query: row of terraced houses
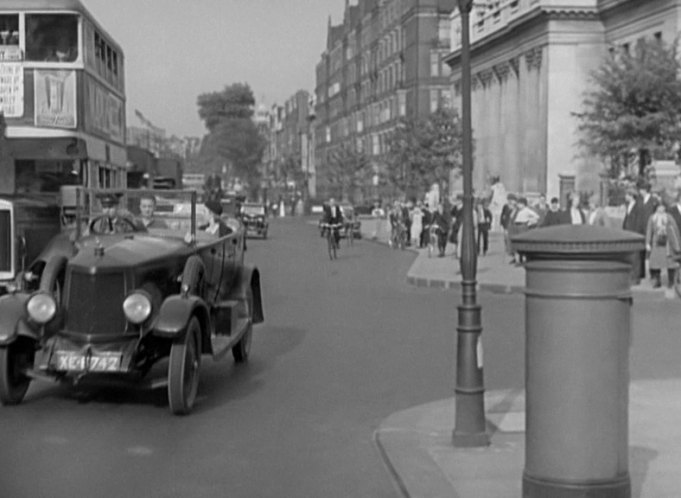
pixel 531 64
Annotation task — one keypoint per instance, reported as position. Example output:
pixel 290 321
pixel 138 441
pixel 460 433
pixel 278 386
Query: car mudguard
pixel 250 276
pixel 13 318
pixel 175 313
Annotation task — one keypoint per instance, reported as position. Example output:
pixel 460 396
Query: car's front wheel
pixel 15 359
pixel 183 370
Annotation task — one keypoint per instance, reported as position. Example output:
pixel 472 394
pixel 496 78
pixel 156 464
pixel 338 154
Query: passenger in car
pixel 147 208
pixel 216 226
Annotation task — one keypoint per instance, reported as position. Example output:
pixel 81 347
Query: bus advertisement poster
pixel 55 98
pixel 12 89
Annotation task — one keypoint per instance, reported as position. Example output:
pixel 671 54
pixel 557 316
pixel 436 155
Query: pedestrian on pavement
pixel 632 223
pixel 663 245
pixel 541 207
pixel 484 218
pixel 554 216
pixel 597 215
pixel 675 210
pixel 406 219
pixel 648 205
pixel 524 219
pixel 508 214
pixel 426 221
pixel 441 220
pixel 416 218
pixel 574 214
pixel 457 222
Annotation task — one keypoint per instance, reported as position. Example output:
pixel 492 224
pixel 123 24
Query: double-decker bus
pixel 62 95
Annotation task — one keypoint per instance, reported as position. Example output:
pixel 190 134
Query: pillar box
pixel 578 336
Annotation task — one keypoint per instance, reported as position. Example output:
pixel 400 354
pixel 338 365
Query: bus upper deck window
pixel 9 29
pixel 51 37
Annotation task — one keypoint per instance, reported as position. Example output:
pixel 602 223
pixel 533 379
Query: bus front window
pixel 51 37
pixel 9 29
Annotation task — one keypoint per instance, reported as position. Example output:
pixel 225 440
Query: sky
pixel 177 49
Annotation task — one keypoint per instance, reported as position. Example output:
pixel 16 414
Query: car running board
pixel 221 344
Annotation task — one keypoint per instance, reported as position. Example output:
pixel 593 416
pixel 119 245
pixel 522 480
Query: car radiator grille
pixel 5 241
pixel 95 304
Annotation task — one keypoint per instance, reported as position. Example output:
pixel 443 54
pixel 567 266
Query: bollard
pixel 578 328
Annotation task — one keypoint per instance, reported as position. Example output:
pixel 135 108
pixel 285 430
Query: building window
pixel 434 100
pixel 434 63
pixel 375 145
pixel 658 36
pixel 402 103
pixel 328 134
pixel 443 27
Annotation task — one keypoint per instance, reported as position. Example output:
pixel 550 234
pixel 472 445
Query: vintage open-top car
pixel 254 217
pixel 110 299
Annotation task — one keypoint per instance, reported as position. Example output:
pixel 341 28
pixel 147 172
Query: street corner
pixel 416 447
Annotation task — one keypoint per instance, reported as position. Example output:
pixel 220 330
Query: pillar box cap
pixel 578 242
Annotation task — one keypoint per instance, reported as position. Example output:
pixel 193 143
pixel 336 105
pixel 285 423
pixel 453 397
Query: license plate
pixel 101 362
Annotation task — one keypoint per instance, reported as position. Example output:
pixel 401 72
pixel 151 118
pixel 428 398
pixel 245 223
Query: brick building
pixel 381 63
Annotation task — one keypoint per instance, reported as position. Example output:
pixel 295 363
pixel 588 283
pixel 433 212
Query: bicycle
pixel 331 239
pixel 349 234
pixel 398 238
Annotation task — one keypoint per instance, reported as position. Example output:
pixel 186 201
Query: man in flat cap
pixel 113 219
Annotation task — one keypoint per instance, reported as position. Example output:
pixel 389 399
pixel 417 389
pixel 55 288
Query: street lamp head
pixel 465 6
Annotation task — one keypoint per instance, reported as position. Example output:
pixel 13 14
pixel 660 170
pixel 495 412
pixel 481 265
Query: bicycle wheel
pixel 330 245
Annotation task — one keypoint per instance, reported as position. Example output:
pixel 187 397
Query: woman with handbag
pixel 663 244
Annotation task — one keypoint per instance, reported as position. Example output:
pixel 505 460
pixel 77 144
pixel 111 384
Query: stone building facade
pixel 531 62
pixel 384 61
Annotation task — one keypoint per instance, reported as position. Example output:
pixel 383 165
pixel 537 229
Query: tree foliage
pixel 348 170
pixel 233 140
pixel 235 101
pixel 634 107
pixel 424 151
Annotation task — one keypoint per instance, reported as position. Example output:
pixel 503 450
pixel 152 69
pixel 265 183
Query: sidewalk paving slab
pixel 417 449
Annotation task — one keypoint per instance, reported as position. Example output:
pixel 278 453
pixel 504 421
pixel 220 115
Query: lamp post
pixel 470 425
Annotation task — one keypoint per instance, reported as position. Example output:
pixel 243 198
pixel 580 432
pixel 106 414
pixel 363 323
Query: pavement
pixel 416 444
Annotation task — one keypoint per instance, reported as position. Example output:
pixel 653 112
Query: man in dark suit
pixel 675 210
pixel 632 223
pixel 648 205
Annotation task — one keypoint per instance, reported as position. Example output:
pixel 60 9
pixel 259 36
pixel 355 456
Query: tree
pixel 634 107
pixel 349 169
pixel 233 140
pixel 236 101
pixel 424 151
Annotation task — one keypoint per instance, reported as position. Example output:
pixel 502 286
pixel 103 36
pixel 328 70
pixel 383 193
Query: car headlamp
pixel 137 307
pixel 41 308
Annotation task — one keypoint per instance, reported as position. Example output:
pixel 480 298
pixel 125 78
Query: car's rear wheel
pixel 183 370
pixel 15 358
pixel 242 350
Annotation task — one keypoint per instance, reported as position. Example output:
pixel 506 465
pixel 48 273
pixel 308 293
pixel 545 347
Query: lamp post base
pixel 619 487
pixel 464 440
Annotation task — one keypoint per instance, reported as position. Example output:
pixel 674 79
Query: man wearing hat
pixel 633 222
pixel 113 219
pixel 215 224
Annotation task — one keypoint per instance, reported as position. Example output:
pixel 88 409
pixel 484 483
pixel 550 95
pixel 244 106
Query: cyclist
pixel 333 216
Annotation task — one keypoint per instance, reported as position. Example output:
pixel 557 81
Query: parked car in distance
pixel 114 299
pixel 254 218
